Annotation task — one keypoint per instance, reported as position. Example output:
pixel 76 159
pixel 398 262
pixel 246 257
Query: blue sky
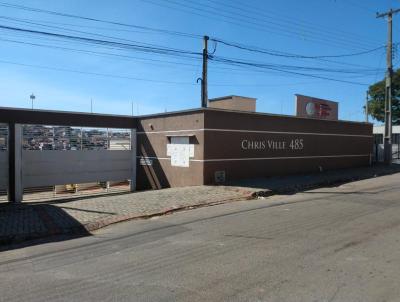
pixel 310 28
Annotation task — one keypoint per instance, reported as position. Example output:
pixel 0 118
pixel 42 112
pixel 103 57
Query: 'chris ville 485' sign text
pixel 293 144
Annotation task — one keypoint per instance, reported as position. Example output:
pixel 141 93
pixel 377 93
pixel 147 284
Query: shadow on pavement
pixel 26 223
pixel 303 182
pixel 29 224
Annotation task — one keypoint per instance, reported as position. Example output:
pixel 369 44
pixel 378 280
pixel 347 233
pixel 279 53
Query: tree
pixel 376 103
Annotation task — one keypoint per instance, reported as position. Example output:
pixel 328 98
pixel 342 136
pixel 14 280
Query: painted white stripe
pixel 288 132
pixel 256 131
pixel 263 158
pixel 152 157
pixel 170 131
pixel 286 157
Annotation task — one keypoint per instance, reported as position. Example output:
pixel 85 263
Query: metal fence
pixel 64 161
pixel 3 161
pixel 396 146
pixel 378 147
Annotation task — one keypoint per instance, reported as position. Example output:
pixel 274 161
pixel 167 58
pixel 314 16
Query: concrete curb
pixel 93 226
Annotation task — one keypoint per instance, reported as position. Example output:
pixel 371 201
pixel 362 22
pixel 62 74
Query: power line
pixel 294 67
pixel 96 73
pixel 161 50
pixel 179 52
pixel 272 67
pixel 277 22
pixel 287 55
pixel 56 41
pixel 233 19
pixel 136 47
pixel 301 57
pixel 66 29
pixel 86 18
pixel 146 28
pixel 274 15
pixel 84 26
pixel 103 54
pixel 143 79
pixel 237 45
pixel 37 10
pixel 106 54
pixel 130 46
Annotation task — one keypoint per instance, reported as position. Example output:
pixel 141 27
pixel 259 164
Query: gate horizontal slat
pixel 52 167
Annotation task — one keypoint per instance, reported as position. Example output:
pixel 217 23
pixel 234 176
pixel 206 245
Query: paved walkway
pixel 33 220
pixel 40 219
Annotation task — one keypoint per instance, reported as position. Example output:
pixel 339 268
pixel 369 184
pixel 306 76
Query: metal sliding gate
pixel 4 168
pixel 62 161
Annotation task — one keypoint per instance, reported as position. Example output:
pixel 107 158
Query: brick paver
pixel 30 220
pixel 147 203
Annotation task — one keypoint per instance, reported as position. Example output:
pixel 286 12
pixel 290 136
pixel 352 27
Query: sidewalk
pixel 81 216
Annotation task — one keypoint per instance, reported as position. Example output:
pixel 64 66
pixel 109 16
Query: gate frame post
pixel 134 160
pixel 15 187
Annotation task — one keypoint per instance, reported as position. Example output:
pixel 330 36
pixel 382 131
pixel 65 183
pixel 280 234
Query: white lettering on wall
pixel 293 144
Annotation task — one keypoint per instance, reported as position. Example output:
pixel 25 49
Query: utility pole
pixel 91 105
pixel 204 92
pixel 366 107
pixel 387 139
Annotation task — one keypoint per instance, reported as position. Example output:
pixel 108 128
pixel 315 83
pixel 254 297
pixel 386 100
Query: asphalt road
pixel 330 244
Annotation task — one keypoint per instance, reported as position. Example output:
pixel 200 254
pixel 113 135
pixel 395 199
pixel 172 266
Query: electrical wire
pixel 297 70
pixel 102 54
pixel 271 67
pixel 68 29
pixel 287 55
pixel 144 79
pixel 280 68
pixel 294 67
pixel 252 19
pixel 95 73
pixel 232 19
pixel 265 12
pixel 44 11
pixel 130 46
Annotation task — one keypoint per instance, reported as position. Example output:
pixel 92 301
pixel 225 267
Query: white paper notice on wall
pixel 180 151
pixel 180 156
pixel 169 149
pixel 191 150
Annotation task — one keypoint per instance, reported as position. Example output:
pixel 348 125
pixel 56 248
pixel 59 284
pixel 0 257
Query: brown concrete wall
pixel 65 118
pixel 259 145
pixel 219 137
pixel 153 132
pixel 234 103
